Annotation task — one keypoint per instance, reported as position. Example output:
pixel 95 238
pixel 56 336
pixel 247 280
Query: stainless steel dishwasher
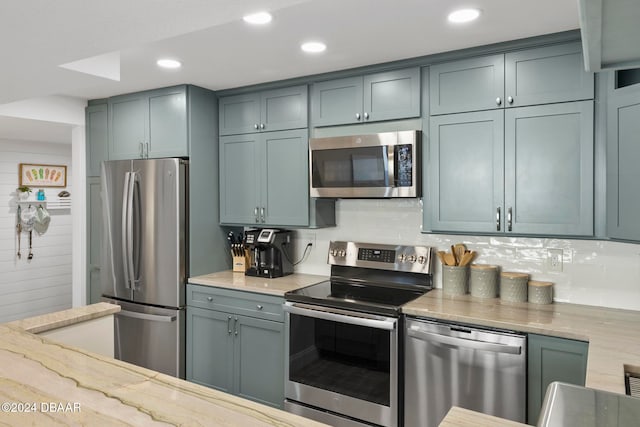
pixel 453 365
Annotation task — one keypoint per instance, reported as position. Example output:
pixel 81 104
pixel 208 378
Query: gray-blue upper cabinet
pixel 374 97
pixel 623 158
pixel 537 178
pixel 150 124
pixel 271 110
pixel 521 78
pixel 97 134
pixel 264 179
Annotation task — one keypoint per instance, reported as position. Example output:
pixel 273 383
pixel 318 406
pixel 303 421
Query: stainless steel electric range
pixel 343 342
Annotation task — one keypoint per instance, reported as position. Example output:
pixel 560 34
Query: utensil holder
pixel 483 281
pixel 513 287
pixel 455 279
pixel 540 292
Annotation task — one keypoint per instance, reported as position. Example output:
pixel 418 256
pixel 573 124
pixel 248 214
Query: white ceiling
pixel 220 51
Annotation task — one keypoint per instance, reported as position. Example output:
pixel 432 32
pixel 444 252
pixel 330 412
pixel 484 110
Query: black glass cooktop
pixel 364 297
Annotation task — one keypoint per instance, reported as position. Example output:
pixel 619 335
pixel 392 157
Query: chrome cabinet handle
pixel 262 214
pixel 255 214
pixel 366 116
pixel 498 219
pixel 259 307
pixel 255 126
pixel 209 299
pixel 498 101
pixel 141 150
pixel 509 215
pixel 146 154
pixel 229 325
pixel 357 116
pixel 510 99
pixel 236 326
pixel 261 125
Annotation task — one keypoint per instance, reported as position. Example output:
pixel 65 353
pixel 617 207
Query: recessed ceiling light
pixel 313 47
pixel 259 18
pixel 168 63
pixel 463 15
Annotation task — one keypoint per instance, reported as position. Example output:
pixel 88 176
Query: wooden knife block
pixel 240 263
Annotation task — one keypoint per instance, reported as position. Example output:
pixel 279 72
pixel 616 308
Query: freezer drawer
pixel 150 337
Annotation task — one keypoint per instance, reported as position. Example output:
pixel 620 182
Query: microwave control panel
pixel 403 165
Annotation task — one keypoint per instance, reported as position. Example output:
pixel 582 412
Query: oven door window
pixel 347 359
pixel 350 167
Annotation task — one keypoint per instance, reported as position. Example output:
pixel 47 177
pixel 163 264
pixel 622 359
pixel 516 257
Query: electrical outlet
pixel 554 260
pixel 307 237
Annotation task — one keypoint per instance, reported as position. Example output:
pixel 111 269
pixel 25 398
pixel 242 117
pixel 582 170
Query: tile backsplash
pixel 594 272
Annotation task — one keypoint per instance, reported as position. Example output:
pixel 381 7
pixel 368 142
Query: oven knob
pixel 422 259
pixel 342 253
pixel 333 252
pixel 411 258
pixel 402 257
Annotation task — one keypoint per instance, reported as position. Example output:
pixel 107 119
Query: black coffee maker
pixel 270 252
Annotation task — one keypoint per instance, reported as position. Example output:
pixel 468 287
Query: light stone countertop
pixel 460 417
pixel 59 319
pixel 613 335
pixel 38 375
pixel 238 281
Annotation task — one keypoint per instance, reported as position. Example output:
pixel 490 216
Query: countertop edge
pixel 460 417
pixel 72 316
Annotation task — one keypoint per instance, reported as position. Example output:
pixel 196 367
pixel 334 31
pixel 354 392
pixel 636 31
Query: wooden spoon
pixel 453 252
pixel 460 250
pixel 441 257
pixel 467 258
pixel 450 259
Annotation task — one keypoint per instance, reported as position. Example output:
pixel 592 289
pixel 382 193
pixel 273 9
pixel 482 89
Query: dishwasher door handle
pixel 463 342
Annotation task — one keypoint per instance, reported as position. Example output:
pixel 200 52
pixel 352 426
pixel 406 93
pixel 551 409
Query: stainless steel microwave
pixel 382 165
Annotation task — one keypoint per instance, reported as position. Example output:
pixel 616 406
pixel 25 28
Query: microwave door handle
pixel 125 229
pixel 390 166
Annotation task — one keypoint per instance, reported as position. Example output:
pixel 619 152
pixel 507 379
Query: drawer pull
pixel 259 307
pixel 209 299
pixel 229 325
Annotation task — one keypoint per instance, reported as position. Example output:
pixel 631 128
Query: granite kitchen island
pixel 47 383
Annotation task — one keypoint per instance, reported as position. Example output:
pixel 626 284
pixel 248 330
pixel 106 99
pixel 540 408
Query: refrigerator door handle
pixel 129 226
pixel 145 316
pixel 125 237
pixel 134 241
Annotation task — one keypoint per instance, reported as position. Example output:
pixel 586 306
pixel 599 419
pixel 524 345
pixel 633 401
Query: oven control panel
pixel 387 257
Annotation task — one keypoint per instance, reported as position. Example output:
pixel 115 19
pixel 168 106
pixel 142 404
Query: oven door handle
pixel 388 324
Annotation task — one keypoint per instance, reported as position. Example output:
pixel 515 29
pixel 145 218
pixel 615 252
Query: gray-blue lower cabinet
pixel 234 352
pixel 552 359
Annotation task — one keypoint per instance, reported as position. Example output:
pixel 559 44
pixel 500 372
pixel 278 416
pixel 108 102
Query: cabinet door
pixel 549 169
pixel 210 348
pixel 239 114
pixel 168 123
pixel 128 117
pixel 392 95
pixel 94 239
pixel 97 138
pixel 239 183
pixel 547 74
pixel 552 359
pixel 337 102
pixel 466 172
pixel 623 158
pixel 467 85
pixel 285 179
pixel 259 355
pixel 282 109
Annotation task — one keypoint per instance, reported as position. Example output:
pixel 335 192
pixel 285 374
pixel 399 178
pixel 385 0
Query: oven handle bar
pixel 388 324
pixel 464 342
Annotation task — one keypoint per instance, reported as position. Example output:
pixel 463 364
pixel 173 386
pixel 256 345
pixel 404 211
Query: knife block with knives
pixel 239 254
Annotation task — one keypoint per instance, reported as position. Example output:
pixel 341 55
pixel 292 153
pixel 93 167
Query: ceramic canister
pixel 513 286
pixel 455 279
pixel 540 292
pixel 483 281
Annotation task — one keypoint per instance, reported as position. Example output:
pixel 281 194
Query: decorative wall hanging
pixel 34 175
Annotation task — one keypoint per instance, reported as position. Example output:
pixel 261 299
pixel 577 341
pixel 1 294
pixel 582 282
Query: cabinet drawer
pixel 237 302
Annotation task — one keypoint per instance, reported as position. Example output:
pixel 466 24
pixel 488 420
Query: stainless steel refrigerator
pixel 144 252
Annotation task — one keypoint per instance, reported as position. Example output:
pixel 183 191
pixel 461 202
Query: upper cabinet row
pixel 528 77
pixel 374 97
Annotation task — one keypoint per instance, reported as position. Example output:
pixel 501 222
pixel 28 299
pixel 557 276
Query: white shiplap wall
pixel 43 284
